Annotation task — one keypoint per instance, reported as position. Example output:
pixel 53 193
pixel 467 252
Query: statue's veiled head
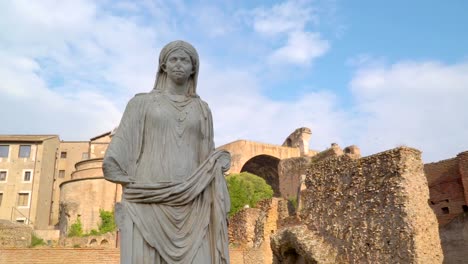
pixel 161 75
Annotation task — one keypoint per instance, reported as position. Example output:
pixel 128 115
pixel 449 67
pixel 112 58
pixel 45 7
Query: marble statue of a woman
pixel 175 200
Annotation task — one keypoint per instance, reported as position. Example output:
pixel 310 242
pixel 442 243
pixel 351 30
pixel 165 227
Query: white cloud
pixel 301 48
pixel 287 23
pixel 418 104
pixel 283 18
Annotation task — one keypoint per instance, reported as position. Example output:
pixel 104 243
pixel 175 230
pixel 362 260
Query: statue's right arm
pixel 120 154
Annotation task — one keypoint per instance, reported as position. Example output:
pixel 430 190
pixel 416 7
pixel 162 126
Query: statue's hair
pixel 161 75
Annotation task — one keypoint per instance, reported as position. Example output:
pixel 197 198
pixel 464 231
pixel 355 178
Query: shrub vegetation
pixel 106 225
pixel 246 189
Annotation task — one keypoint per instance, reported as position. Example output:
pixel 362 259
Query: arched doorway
pixel 266 167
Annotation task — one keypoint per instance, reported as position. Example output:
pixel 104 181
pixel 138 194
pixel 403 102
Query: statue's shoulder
pixel 140 97
pixel 203 103
pixel 139 100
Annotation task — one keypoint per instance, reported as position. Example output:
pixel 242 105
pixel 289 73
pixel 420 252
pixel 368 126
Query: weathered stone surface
pixel 298 244
pixel 374 209
pixel 242 227
pixel 250 230
pixel 352 151
pixel 299 139
pixel 290 172
pixel 14 235
pixel 454 238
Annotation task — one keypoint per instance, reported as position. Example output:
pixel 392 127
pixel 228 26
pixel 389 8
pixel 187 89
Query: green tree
pixel 246 189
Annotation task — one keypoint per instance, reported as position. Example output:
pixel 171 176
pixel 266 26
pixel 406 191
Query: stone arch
pixel 265 166
pixel 104 242
pixel 93 242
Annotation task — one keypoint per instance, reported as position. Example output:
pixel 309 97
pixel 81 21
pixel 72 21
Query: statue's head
pixel 161 75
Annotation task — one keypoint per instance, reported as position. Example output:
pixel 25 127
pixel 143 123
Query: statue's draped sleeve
pixel 120 161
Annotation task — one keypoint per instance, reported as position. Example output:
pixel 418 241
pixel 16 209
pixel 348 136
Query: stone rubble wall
pixel 374 209
pixel 250 230
pixel 14 235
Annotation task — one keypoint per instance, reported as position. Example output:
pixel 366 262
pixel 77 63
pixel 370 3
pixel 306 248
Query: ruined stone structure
pixel 299 139
pixel 260 159
pixel 448 187
pixel 351 208
pixel 368 210
pixel 250 231
pixel 291 172
pixel 14 234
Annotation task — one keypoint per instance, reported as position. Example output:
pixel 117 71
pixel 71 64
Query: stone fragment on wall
pixel 299 139
pixel 352 151
pixel 374 209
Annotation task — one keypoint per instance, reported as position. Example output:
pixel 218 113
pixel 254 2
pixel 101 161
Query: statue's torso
pixel 171 140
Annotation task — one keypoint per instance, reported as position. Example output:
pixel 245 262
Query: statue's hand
pixel 123 180
pixel 225 161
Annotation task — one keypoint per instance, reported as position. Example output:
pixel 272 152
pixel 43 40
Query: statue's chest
pixel 165 116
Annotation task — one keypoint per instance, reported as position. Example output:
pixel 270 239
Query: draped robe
pixel 175 209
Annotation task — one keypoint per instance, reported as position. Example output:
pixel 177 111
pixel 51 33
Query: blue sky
pixel 378 74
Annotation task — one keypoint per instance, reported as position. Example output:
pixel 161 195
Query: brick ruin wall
pixel 373 209
pixel 447 194
pixel 250 230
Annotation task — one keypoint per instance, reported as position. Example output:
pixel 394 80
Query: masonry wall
pixel 373 209
pixel 250 230
pixel 41 165
pixel 447 192
pixel 14 183
pixel 74 153
pixel 463 169
pixel 290 172
pixel 84 198
pixel 98 146
pixel 454 237
pixel 59 256
pixel 44 196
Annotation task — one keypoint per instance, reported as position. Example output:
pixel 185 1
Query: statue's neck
pixel 176 89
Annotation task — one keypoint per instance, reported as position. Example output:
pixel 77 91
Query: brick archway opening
pixel 266 167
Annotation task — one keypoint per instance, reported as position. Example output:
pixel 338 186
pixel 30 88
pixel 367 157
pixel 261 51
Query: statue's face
pixel 178 66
